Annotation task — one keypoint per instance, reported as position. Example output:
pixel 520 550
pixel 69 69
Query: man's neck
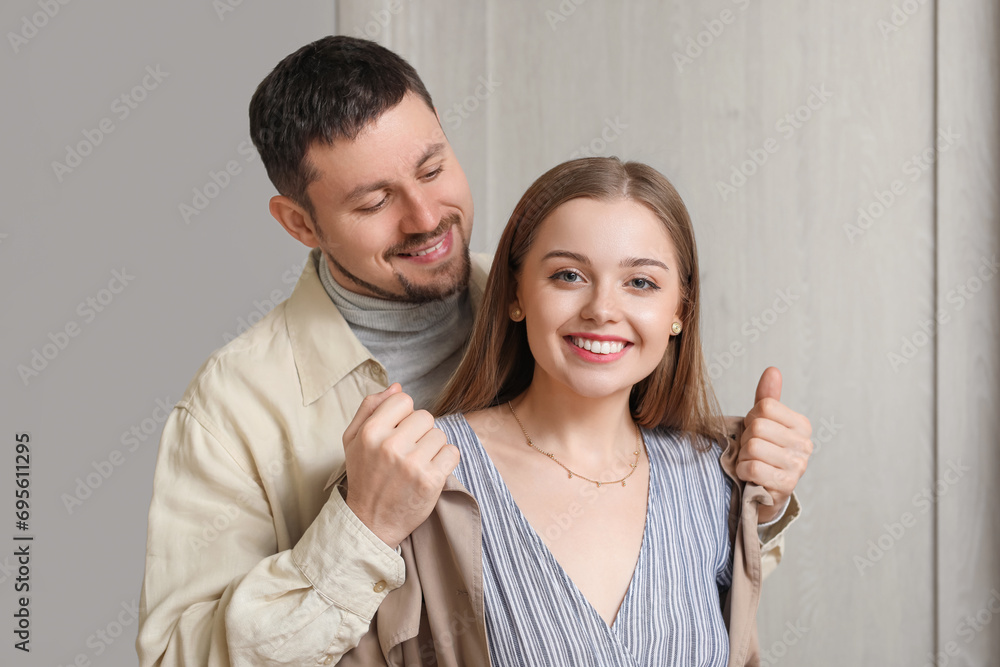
pixel 419 344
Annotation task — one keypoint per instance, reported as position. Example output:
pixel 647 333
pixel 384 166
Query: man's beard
pixel 414 293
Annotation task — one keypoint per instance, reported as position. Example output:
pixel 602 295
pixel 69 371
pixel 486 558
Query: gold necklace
pixel 527 438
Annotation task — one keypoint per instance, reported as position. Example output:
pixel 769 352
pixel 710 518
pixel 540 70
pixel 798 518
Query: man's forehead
pixel 391 146
pixel 400 150
pixel 353 162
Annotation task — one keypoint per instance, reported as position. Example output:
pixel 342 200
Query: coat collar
pixel 324 348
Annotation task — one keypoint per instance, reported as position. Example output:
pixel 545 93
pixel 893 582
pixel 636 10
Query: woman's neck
pixel 591 432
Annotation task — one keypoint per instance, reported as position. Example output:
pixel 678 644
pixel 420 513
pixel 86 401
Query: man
pixel 248 560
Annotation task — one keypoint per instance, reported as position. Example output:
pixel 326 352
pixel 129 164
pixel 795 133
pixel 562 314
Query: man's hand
pixel 775 447
pixel 397 464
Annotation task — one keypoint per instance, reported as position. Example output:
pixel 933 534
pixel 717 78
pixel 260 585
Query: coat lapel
pixel 744 595
pixel 447 548
pixel 441 603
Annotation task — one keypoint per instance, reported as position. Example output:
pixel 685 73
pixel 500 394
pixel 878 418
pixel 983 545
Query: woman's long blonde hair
pixel 498 364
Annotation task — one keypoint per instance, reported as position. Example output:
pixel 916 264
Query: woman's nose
pixel 602 306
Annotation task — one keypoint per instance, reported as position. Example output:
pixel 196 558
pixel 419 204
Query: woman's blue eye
pixel 643 284
pixel 566 276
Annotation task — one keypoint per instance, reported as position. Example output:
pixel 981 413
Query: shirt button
pixel 328 660
pixel 379 586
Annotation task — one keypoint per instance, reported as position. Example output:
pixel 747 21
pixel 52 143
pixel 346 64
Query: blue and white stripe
pixel 671 614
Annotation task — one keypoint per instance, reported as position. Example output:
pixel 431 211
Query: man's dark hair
pixel 328 90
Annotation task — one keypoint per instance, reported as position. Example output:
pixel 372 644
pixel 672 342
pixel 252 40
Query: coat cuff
pixel 775 520
pixel 346 562
pixel 772 536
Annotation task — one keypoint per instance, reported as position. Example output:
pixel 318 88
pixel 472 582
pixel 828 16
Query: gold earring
pixel 516 314
pixel 676 328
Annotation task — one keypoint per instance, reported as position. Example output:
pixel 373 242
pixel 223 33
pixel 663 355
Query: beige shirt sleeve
pixel 216 589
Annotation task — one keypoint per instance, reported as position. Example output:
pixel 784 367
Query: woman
pixel 589 520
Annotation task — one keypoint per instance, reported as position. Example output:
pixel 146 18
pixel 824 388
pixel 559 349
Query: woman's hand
pixel 775 447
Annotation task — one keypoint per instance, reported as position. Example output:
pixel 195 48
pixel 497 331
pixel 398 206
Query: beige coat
pixel 247 563
pixel 438 613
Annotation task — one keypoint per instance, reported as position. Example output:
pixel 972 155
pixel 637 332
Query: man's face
pixel 393 207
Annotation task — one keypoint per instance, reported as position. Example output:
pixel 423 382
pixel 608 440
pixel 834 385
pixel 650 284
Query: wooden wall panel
pixel 794 134
pixel 968 335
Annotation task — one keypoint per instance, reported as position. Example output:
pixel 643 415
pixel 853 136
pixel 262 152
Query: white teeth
pixel 599 347
pixel 425 252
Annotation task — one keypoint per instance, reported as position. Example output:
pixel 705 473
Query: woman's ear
pixel 514 308
pixel 678 322
pixel 515 311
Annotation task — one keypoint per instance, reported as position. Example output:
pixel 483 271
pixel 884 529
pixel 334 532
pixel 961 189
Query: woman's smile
pixel 600 349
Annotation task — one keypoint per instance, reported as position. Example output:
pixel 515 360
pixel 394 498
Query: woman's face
pixel 599 289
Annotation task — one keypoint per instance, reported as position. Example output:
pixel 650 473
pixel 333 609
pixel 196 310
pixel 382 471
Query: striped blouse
pixel 671 613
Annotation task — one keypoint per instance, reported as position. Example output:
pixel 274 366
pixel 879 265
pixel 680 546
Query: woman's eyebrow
pixel 577 257
pixel 627 263
pixel 632 262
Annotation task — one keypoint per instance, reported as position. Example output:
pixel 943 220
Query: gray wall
pixel 886 329
pixel 119 210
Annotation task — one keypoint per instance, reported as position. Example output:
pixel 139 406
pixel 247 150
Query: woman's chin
pixel 598 390
pixel 590 383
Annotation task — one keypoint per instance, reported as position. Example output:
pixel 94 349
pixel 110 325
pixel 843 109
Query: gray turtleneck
pixel 419 344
